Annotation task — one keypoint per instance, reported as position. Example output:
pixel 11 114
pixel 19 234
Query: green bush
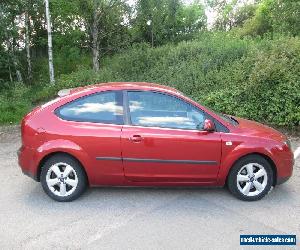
pixel 264 85
pixel 252 78
pixel 13 104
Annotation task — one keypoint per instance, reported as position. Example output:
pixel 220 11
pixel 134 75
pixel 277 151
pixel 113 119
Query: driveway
pixel 136 218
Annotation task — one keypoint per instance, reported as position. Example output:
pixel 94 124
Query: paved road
pixel 136 218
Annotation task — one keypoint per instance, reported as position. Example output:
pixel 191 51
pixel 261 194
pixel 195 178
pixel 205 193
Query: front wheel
pixel 63 178
pixel 251 178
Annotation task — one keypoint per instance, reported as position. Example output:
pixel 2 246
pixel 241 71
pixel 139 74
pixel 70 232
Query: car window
pixel 153 109
pixel 104 107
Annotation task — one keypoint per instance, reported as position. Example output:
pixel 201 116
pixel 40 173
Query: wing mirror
pixel 209 126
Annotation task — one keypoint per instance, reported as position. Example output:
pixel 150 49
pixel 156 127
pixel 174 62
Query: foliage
pixel 231 13
pixel 265 84
pixel 8 37
pixel 167 20
pixel 253 78
pixel 110 15
pixel 250 69
pixel 280 16
pixel 284 15
pixel 14 103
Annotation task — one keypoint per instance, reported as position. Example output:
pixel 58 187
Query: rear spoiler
pixel 64 92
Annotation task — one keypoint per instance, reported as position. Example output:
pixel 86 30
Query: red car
pixel 144 134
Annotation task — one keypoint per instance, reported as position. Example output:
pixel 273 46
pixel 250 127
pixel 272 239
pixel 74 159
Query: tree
pixel 192 19
pixel 284 15
pixel 27 43
pixel 231 13
pixel 9 35
pixel 104 21
pixel 243 14
pixel 259 24
pixel 274 16
pixel 50 55
pixel 173 9
pixel 171 20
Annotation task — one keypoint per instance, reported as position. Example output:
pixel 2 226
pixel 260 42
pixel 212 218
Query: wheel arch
pixel 266 157
pixel 48 156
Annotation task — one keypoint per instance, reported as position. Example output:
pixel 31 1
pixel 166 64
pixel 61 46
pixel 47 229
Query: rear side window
pixel 104 107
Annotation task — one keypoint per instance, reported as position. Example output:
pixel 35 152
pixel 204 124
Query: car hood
pixel 253 128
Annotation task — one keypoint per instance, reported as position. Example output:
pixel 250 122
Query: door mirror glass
pixel 209 126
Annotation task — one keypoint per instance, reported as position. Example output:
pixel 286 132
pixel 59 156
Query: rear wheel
pixel 251 178
pixel 63 178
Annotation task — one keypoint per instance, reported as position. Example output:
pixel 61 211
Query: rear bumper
pixel 26 162
pixel 29 174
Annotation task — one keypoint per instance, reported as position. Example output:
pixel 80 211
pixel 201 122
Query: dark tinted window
pixel 104 107
pixel 155 109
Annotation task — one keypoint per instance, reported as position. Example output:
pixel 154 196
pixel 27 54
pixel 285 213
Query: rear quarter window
pixel 103 107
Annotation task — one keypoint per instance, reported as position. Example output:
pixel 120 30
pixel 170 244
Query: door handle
pixel 135 138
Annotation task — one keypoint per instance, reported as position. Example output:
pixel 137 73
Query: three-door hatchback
pixel 144 134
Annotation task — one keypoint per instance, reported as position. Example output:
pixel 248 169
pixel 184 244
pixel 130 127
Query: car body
pixel 130 147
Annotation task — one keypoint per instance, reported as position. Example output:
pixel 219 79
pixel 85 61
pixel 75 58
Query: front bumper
pixel 285 170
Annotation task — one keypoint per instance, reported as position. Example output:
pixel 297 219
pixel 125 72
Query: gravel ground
pixel 136 218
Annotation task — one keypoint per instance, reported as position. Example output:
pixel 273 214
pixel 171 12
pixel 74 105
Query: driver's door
pixel 164 141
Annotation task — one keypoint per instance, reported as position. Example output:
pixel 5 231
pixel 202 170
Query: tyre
pixel 250 178
pixel 63 178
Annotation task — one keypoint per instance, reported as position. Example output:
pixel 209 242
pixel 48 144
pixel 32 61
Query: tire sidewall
pixel 232 177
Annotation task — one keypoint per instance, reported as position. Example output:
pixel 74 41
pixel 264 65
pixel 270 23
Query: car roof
pixel 126 85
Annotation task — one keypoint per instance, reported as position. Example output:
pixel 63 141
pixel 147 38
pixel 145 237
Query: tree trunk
pixel 10 76
pixel 10 43
pixel 50 55
pixel 18 73
pixel 95 43
pixel 27 44
pixel 15 62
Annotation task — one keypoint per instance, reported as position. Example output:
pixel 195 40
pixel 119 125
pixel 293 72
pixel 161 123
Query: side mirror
pixel 209 126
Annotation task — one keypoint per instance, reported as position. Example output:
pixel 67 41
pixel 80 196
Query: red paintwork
pixel 43 133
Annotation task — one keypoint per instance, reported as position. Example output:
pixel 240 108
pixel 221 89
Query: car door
pixel 164 142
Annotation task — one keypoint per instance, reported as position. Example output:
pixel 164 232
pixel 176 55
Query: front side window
pixel 153 109
pixel 104 107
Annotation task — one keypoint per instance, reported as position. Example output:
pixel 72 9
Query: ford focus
pixel 144 134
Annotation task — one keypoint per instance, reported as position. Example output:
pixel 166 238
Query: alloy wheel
pixel 252 179
pixel 62 179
